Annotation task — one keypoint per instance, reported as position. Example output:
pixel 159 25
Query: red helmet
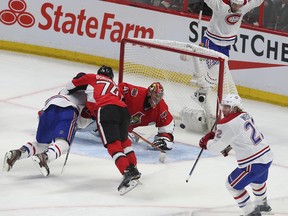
pixel 155 93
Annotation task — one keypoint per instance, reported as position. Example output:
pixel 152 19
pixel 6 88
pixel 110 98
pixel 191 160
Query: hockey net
pixel 194 78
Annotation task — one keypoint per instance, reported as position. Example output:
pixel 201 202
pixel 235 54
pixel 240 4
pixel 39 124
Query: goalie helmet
pixel 155 93
pixel 106 71
pixel 232 100
pixel 238 2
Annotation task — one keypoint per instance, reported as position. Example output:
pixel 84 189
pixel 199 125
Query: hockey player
pixel 112 118
pixel 225 23
pixel 238 131
pixel 146 107
pixel 55 132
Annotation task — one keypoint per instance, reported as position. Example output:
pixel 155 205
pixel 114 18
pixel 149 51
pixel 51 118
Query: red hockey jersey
pixel 134 97
pixel 100 91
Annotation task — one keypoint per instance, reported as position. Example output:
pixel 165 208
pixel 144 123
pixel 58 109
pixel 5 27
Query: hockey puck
pixel 182 126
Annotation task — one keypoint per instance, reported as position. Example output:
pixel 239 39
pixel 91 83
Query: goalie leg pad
pixel 194 120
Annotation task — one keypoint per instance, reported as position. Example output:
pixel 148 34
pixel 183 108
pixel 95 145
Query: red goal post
pixel 186 71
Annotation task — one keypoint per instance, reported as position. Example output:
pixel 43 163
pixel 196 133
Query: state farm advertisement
pixel 97 27
pixel 88 26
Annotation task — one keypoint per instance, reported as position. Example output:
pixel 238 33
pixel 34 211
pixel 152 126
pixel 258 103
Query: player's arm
pixel 165 139
pixel 214 4
pixel 253 4
pixel 79 82
pixel 217 141
pixel 123 90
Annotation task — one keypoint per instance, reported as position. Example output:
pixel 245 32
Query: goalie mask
pixel 155 93
pixel 106 71
pixel 232 100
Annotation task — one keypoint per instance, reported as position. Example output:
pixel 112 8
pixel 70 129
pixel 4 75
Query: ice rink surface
pixel 89 183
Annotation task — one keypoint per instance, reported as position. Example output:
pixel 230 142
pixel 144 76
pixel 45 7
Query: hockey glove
pixel 164 141
pixel 226 151
pixel 205 139
pixel 85 113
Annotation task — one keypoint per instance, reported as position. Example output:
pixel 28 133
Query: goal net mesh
pixel 189 74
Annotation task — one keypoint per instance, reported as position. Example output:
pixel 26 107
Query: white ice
pixel 88 185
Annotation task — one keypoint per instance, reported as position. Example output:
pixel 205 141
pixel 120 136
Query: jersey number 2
pixel 254 138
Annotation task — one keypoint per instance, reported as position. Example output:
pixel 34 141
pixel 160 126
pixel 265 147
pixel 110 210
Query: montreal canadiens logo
pixel 233 18
pixel 17 13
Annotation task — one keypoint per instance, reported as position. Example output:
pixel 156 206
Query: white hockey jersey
pixel 224 24
pixel 239 131
pixel 76 100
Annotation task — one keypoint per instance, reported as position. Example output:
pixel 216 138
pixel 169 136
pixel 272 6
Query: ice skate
pixel 256 212
pixel 10 158
pixel 265 208
pixel 130 180
pixel 135 172
pixel 40 161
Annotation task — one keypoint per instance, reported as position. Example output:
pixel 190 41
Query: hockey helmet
pixel 238 2
pixel 232 100
pixel 106 71
pixel 155 93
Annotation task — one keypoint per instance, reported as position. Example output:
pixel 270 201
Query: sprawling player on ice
pixel 238 131
pixel 55 132
pixel 112 118
pixel 147 106
pixel 225 22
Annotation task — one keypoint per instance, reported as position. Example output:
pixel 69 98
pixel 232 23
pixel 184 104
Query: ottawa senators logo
pixel 136 118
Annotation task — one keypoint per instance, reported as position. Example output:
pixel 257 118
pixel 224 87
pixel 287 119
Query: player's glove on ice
pixel 164 141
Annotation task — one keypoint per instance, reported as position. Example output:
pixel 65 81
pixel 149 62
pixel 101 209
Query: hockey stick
pixel 162 154
pixel 198 157
pixel 148 142
pixel 66 158
pixel 201 11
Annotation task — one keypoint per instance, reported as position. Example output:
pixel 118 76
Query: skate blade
pixel 263 213
pixel 267 213
pixel 132 185
pixel 43 170
pixel 6 167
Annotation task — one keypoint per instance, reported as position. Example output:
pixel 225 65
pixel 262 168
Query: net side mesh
pixel 182 75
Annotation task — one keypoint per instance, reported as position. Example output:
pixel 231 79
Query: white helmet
pixel 232 100
pixel 238 2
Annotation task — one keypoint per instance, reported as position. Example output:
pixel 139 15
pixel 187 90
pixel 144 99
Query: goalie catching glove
pixel 164 141
pixel 205 139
